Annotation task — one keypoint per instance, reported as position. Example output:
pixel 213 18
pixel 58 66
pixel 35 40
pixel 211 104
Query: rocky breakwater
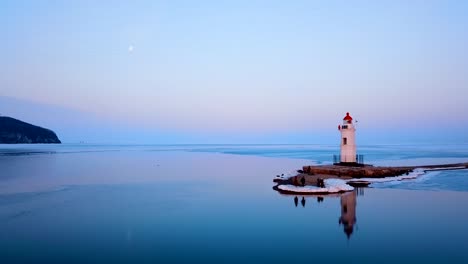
pixel 366 171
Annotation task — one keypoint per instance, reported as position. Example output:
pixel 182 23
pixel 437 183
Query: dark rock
pixel 14 131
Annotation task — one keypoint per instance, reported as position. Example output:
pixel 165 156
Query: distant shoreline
pixel 14 131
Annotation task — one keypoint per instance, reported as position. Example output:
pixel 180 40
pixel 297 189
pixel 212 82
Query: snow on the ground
pixel 331 186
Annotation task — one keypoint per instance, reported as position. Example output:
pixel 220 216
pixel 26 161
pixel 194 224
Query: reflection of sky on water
pixel 160 222
pixel 160 206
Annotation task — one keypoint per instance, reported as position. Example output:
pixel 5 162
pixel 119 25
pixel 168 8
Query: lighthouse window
pixel 344 127
pixel 345 141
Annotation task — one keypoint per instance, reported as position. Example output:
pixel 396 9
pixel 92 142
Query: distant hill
pixel 14 131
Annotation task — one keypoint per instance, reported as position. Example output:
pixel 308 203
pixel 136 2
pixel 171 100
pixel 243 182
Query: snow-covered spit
pixel 339 185
pixel 331 186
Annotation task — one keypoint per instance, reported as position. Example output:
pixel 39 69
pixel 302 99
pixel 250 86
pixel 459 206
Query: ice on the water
pixel 331 186
pixel 416 173
pixel 412 175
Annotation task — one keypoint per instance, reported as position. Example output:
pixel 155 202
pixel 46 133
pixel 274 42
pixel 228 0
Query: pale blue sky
pixel 240 67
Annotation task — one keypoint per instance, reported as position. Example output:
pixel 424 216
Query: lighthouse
pixel 348 143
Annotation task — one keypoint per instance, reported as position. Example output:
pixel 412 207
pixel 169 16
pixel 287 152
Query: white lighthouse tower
pixel 348 143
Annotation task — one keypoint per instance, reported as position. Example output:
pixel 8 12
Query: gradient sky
pixel 240 67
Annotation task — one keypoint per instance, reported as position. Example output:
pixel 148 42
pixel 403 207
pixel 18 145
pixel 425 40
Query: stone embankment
pixel 356 172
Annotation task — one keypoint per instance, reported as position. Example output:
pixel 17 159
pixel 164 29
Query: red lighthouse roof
pixel 348 117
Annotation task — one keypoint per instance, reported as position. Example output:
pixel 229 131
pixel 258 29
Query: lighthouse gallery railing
pixel 359 159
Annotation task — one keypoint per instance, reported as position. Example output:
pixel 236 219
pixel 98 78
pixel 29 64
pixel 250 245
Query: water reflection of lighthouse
pixel 348 203
pixel 348 212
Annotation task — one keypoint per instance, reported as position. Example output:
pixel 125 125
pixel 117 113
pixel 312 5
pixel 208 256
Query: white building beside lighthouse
pixel 348 140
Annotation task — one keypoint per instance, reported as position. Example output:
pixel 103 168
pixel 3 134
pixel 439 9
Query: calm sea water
pixel 215 204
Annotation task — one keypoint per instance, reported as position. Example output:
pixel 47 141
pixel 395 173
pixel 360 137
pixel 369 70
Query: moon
pixel 130 48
